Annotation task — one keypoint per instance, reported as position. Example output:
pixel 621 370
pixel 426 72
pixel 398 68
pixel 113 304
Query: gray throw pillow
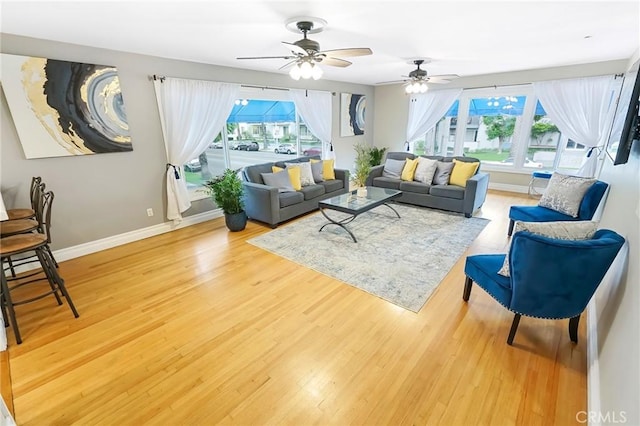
pixel 316 171
pixel 581 230
pixel 426 170
pixel 278 180
pixel 443 173
pixel 565 193
pixel 393 168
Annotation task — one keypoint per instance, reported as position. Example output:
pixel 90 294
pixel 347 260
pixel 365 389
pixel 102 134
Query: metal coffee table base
pixel 349 219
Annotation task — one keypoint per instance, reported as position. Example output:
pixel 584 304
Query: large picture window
pixel 257 131
pixel 506 128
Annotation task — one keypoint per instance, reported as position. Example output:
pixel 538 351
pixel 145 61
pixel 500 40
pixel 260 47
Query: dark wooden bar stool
pixel 26 213
pixel 21 244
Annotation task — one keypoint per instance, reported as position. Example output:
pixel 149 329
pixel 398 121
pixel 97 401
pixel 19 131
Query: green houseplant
pixel 376 155
pixel 362 165
pixel 227 192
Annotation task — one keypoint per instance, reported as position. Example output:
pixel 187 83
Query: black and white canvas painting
pixel 63 108
pixel 352 112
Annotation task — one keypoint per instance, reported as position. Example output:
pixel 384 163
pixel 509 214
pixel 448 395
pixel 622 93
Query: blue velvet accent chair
pixel 588 208
pixel 550 278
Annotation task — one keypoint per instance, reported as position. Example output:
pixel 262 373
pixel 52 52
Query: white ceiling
pixel 464 38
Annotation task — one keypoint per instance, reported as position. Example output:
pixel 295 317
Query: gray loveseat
pixel 446 197
pixel 266 204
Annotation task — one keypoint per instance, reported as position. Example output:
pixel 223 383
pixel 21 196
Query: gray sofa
pixel 446 197
pixel 266 204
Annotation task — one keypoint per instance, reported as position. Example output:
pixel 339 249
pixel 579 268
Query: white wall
pixel 98 196
pixel 614 370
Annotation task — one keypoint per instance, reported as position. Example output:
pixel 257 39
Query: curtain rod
pixel 162 78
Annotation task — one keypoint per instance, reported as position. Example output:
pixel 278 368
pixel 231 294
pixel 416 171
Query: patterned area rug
pixel 399 260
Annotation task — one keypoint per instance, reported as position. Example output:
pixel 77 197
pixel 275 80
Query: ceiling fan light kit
pixel 416 87
pixel 306 56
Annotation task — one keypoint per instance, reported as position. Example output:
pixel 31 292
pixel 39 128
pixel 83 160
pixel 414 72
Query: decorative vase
pixel 361 191
pixel 236 221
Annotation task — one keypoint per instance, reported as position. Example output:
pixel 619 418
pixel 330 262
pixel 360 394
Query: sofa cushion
pixel 312 191
pixel 564 193
pixel 416 187
pixel 462 171
pixel 290 198
pixel 278 180
pixel 393 168
pixel 563 230
pixel 316 171
pixel 294 175
pixel 306 175
pixel 409 169
pixel 443 173
pixel 253 173
pixel 426 170
pixel 385 182
pixel 328 171
pixel 447 191
pixel 331 185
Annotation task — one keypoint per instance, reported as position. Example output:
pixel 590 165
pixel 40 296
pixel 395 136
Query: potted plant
pixel 363 167
pixel 227 192
pixel 376 155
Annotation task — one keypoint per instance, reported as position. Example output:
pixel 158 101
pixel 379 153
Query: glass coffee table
pixel 353 205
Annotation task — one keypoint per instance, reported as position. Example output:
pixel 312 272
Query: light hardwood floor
pixel 199 327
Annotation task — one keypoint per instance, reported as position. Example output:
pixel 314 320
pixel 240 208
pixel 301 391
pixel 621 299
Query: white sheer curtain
pixel 192 112
pixel 426 109
pixel 583 110
pixel 315 109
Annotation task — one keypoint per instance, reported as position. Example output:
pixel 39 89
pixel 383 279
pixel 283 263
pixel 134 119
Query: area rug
pixel 399 260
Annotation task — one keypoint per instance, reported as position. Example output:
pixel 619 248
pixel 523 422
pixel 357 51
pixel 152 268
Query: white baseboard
pixel 509 187
pixel 120 239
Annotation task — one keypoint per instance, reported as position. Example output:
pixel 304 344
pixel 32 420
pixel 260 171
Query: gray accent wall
pixel 100 196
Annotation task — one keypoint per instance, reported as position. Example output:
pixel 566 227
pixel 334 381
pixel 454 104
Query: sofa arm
pixel 475 193
pixel 261 203
pixel 376 171
pixel 343 175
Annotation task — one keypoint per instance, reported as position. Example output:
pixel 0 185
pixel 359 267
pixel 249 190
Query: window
pixel 506 128
pixel 441 139
pixel 257 131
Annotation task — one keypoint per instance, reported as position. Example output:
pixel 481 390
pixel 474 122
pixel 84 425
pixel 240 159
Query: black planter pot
pixel 236 221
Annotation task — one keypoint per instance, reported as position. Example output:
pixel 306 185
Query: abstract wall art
pixel 63 108
pixel 352 109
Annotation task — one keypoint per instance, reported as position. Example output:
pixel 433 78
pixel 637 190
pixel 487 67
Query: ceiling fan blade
pixel 349 52
pixel 268 57
pixel 438 80
pixel 442 79
pixel 288 64
pixel 295 48
pixel 334 62
pixel 392 82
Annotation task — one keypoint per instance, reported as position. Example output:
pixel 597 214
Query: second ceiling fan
pixel 306 54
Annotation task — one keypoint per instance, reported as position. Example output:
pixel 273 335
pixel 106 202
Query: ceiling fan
pixel 306 54
pixel 418 78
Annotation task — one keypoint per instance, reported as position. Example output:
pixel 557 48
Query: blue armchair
pixel 588 208
pixel 550 278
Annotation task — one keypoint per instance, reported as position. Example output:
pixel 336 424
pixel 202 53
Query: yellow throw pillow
pixel 294 176
pixel 462 171
pixel 327 169
pixel 409 169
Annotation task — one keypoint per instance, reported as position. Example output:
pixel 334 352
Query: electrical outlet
pixel 149 212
